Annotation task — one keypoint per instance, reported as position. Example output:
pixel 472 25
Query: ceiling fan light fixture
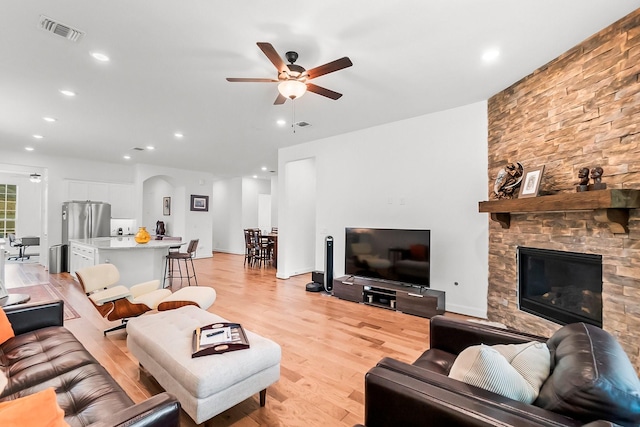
pixel 292 89
pixel 35 177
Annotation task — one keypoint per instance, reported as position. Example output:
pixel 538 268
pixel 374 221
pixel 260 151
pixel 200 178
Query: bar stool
pixel 169 269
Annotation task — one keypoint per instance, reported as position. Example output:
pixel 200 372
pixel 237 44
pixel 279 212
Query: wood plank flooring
pixel 327 344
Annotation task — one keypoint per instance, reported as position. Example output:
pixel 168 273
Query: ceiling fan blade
pixel 241 79
pixel 323 91
pixel 273 56
pixel 280 99
pixel 329 67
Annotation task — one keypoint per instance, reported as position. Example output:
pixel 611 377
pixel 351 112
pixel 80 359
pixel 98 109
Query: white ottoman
pixel 207 385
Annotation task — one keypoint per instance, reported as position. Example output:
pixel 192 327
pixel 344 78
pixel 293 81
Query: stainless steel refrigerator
pixel 84 220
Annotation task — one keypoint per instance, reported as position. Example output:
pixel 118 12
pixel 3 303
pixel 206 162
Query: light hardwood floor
pixel 327 344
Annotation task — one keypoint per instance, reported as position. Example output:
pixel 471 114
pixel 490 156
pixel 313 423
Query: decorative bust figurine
pixel 596 176
pixel 583 176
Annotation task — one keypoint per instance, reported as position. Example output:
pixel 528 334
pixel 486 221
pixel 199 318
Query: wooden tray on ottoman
pixel 218 338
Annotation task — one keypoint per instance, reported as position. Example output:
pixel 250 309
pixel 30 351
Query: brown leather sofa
pixel 44 354
pixel 592 383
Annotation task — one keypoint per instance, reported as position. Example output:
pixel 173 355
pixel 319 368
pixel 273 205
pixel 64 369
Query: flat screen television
pixel 388 254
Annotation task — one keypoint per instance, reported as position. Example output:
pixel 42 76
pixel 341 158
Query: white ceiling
pixel 169 61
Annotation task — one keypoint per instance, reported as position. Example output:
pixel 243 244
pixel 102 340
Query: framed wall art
pixel 531 182
pixel 199 203
pixel 166 206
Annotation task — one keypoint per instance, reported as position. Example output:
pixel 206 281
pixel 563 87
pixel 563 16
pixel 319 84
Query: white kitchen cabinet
pixel 119 196
pixel 81 256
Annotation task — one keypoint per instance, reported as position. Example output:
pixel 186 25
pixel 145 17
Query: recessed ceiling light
pixel 150 147
pixel 264 168
pixel 66 92
pixel 281 122
pixel 38 136
pixel 49 119
pixel 100 56
pixel 255 176
pixel 490 55
pixel 178 135
pixel 29 148
pixel 126 157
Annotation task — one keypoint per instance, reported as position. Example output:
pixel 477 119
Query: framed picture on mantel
pixel 199 203
pixel 166 206
pixel 531 182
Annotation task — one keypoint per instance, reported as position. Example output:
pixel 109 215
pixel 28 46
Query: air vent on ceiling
pixel 137 149
pixel 59 29
pixel 303 124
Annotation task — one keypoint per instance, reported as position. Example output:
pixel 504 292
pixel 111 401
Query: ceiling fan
pixel 293 79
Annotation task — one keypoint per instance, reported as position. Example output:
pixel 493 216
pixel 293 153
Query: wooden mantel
pixel 609 206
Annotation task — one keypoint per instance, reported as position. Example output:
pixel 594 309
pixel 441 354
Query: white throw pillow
pixel 532 360
pixel 516 371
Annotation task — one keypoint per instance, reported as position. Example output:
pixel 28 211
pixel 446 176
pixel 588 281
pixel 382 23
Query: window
pixel 8 205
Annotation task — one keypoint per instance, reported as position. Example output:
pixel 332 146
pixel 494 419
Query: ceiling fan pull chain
pixel 293 121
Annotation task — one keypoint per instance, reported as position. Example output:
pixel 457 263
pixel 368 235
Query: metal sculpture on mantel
pixel 508 181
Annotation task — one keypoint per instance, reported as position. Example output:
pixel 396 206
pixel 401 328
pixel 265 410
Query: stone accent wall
pixel 580 110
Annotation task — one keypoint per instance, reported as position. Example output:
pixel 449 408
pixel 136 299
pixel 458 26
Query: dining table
pixel 272 238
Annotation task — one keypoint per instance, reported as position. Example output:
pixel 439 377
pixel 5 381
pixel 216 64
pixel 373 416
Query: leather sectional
pixel 44 354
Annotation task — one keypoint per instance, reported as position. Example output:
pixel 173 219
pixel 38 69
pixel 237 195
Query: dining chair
pixel 252 246
pixel 265 249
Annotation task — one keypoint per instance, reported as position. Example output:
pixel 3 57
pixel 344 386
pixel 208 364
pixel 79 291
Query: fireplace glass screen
pixel 564 287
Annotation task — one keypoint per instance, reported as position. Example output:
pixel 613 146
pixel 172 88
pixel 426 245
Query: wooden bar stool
pixel 169 269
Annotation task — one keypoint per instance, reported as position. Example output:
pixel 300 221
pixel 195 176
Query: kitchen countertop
pixel 124 242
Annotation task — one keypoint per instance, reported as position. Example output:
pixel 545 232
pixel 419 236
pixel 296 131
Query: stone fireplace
pixel 563 287
pixel 580 110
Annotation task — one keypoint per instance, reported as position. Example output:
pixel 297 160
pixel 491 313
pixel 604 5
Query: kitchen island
pixel 136 262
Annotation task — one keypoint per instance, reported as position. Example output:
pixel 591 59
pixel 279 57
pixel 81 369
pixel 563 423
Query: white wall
pixel 184 223
pixel 299 214
pixel 274 201
pixel 235 208
pixel 227 216
pixel 264 212
pixel 428 172
pixel 155 189
pixel 251 188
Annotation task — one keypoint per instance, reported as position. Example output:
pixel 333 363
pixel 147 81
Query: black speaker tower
pixel 328 264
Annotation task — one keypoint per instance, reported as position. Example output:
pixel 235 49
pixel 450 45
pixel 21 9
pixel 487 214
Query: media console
pixel 419 301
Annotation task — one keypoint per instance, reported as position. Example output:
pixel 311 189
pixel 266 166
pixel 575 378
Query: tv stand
pixel 419 301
